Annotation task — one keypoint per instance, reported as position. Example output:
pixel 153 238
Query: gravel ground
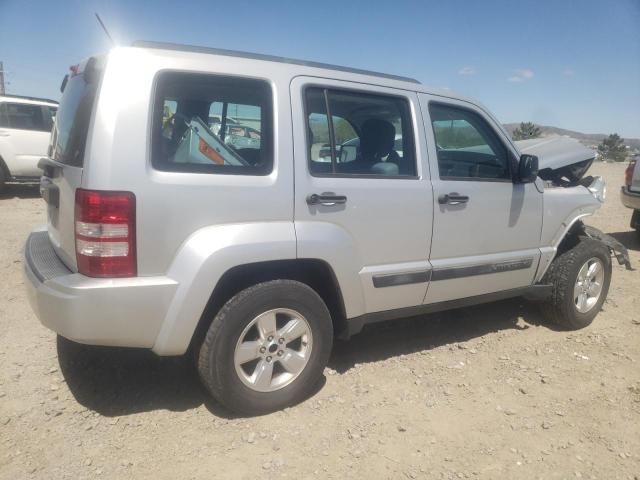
pixel 486 392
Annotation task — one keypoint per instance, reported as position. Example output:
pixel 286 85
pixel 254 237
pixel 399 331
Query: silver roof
pixel 268 58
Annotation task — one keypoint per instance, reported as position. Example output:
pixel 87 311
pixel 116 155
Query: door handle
pixel 452 199
pixel 328 199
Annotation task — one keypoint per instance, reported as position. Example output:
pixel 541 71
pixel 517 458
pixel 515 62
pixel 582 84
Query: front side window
pixel 23 117
pixel 368 134
pixel 467 146
pixel 212 124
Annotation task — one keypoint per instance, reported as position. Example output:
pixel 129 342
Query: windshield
pixel 71 125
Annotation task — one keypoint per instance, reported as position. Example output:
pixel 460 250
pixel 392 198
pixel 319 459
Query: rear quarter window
pixel 212 124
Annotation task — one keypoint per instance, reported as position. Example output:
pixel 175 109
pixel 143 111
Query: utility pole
pixel 1 79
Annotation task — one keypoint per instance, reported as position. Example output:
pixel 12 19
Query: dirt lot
pixel 488 392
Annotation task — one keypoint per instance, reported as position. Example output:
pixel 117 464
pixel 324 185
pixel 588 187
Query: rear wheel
pixel 580 278
pixel 267 347
pixel 635 221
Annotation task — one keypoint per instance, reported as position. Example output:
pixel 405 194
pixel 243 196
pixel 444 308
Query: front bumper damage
pixel 619 251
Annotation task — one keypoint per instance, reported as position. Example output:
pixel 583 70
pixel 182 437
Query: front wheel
pixel 267 347
pixel 580 279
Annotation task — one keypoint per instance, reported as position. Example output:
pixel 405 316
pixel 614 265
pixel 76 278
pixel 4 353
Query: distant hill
pixel 588 139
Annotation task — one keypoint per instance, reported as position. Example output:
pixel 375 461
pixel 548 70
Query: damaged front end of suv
pixel 570 195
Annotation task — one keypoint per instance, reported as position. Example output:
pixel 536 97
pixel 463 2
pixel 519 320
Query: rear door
pixel 25 129
pixel 66 157
pixel 361 203
pixel 486 227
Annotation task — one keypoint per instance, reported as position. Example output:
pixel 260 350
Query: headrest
pixel 385 168
pixel 377 137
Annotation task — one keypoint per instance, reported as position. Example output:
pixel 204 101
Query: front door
pixel 486 227
pixel 363 200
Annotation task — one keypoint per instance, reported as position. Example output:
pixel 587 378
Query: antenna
pixel 104 28
pixel 1 79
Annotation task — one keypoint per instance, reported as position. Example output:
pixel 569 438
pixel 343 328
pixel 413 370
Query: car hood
pixel 560 158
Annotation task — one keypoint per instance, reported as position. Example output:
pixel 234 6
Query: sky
pixel 570 64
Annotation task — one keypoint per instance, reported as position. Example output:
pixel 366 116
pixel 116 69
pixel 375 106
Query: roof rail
pixel 25 97
pixel 268 58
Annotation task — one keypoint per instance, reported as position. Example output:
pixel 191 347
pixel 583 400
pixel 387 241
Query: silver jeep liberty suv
pixel 248 209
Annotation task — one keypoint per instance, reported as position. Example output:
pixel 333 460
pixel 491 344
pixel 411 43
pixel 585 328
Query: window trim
pixel 511 163
pixel 268 134
pixel 41 113
pixel 329 88
pixel 4 114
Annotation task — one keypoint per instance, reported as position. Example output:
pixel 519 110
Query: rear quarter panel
pixel 171 206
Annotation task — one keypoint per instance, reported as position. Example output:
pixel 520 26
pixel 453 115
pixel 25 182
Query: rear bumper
pixel 124 312
pixel 630 199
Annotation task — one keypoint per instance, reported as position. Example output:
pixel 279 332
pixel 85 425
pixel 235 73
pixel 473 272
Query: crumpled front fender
pixel 618 249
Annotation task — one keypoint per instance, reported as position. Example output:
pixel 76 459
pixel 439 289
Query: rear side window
pixel 71 125
pixel 23 116
pixel 212 124
pixel 49 115
pixel 467 146
pixel 368 134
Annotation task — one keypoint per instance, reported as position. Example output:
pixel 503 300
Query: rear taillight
pixel 628 173
pixel 105 224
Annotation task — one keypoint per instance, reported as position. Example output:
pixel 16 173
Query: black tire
pixel 562 274
pixel 635 222
pixel 216 357
pixel 2 176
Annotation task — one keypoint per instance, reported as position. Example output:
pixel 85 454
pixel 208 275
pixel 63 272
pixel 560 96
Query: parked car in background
pixel 630 192
pixel 25 126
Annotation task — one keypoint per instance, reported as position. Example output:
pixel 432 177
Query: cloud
pixel 520 75
pixel 568 72
pixel 467 70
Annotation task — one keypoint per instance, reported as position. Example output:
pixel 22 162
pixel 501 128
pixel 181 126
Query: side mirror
pixel 527 169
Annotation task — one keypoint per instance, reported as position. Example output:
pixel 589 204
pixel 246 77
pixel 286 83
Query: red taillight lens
pixel 628 173
pixel 105 224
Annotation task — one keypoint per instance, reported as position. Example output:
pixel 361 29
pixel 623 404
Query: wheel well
pixel 571 238
pixel 5 169
pixel 317 274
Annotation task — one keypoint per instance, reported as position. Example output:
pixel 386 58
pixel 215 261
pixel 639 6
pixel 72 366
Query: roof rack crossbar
pixel 268 58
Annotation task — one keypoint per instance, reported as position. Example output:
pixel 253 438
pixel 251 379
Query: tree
pixel 526 130
pixel 613 148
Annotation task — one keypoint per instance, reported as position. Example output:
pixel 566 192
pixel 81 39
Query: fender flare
pixel 200 263
pixel 618 250
pixel 577 228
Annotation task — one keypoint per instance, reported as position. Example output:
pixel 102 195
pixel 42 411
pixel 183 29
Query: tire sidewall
pixel 238 313
pixel 584 251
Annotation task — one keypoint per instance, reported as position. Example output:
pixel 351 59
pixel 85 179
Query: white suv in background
pixel 25 126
